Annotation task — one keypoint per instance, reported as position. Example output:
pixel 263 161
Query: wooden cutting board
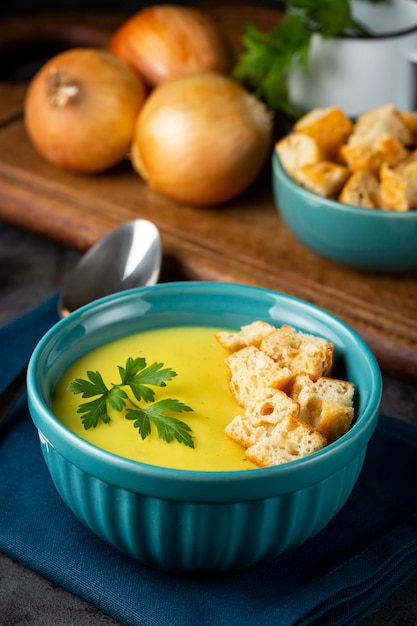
pixel 244 241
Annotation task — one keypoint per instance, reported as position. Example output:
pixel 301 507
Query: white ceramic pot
pixel 359 73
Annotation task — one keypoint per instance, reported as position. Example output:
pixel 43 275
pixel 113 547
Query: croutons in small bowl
pixel 203 520
pixel 348 189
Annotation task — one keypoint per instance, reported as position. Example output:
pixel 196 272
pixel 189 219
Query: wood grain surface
pixel 244 241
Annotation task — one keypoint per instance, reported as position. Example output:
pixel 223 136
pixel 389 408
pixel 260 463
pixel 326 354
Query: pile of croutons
pixel 370 163
pixel 282 379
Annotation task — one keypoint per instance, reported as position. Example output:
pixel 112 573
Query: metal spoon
pixel 130 256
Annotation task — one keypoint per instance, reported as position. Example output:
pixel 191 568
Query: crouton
pixel 292 407
pixel 410 120
pixel 379 135
pixel 291 439
pixel 370 155
pixel 248 335
pixel 271 431
pixel 324 178
pixel 362 189
pixel 406 167
pixel 296 150
pixel 302 353
pixel 261 416
pixel 399 186
pixel 379 123
pixel 329 126
pixel 325 404
pixel 251 372
pixel 361 157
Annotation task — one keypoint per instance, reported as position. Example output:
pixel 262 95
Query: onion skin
pixel 80 109
pixel 201 139
pixel 165 41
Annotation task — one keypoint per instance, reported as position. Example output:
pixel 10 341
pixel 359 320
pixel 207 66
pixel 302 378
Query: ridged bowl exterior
pixel 198 537
pixel 363 238
pixel 185 521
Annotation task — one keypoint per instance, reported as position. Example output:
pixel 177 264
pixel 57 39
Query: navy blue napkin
pixel 353 565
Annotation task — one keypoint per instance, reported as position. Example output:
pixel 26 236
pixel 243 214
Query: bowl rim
pixel 342 207
pixel 290 472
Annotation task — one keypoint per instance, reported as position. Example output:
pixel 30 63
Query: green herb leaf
pixel 94 411
pixel 89 388
pixel 132 367
pixel 168 427
pixel 329 17
pixel 136 376
pixel 116 398
pixel 267 58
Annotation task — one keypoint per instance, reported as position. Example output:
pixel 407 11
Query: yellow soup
pixel 201 383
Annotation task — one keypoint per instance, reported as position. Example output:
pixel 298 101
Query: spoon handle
pixel 10 395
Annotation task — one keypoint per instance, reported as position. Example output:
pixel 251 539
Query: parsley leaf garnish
pixel 137 376
pixel 167 427
pixel 267 58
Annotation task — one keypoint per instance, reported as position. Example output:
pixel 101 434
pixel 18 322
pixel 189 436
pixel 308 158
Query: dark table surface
pixel 31 269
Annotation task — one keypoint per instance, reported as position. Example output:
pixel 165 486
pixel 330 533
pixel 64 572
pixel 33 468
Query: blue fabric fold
pixel 352 566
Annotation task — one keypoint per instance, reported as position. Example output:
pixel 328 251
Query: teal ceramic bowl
pixel 185 521
pixel 361 238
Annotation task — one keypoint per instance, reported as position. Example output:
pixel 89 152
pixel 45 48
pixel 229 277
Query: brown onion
pixel 165 41
pixel 81 107
pixel 201 139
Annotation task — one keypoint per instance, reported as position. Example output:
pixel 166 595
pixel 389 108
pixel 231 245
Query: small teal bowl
pixel 184 521
pixel 362 238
